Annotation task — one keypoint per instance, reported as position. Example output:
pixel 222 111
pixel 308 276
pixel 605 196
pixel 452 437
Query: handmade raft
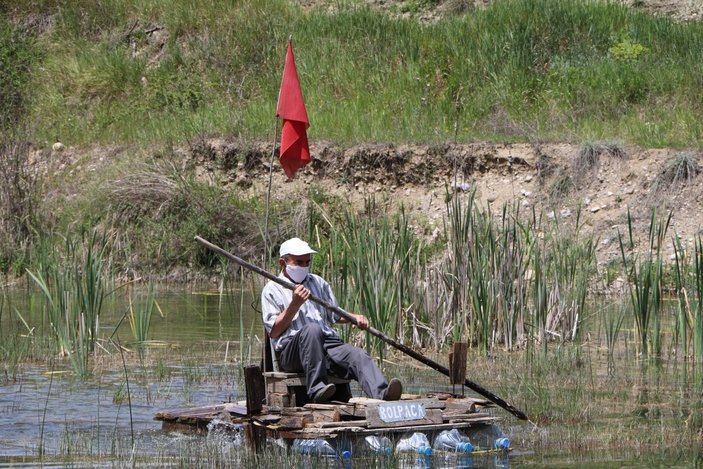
pixel 359 417
pixel 273 409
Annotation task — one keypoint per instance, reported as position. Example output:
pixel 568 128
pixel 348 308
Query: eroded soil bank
pixel 598 182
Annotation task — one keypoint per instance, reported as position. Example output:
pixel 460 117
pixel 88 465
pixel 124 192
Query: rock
pixel 594 209
pixel 58 147
pixel 491 198
pixel 528 178
pixel 565 213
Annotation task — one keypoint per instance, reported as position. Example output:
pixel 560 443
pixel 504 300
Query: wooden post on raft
pixel 256 393
pixel 457 364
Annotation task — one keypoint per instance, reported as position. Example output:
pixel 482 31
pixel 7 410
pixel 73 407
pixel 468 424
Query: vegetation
pixel 157 75
pixel 126 71
pixel 513 284
pixel 74 286
pixel 18 182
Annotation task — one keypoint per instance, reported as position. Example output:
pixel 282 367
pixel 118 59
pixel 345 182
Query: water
pixel 581 403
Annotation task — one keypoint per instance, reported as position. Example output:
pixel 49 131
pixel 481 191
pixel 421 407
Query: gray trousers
pixel 316 355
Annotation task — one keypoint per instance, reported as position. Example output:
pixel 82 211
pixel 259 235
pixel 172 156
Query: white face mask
pixel 297 273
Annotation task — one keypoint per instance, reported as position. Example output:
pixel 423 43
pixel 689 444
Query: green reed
pixel 697 320
pixel 73 284
pixel 689 278
pixel 483 266
pixel 570 262
pixel 645 281
pixel 681 270
pixel 612 324
pixel 377 256
pixel 506 273
pixel 141 309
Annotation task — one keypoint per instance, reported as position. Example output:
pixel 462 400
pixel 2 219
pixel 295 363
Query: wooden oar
pixel 406 350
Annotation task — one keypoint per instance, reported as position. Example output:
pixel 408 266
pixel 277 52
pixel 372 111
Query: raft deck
pixel 358 417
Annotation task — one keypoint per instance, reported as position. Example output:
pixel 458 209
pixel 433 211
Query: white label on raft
pixel 399 411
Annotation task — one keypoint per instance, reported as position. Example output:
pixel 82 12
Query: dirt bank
pixel 555 179
pixel 552 178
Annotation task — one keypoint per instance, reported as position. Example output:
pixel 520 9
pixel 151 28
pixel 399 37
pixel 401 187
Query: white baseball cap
pixel 295 247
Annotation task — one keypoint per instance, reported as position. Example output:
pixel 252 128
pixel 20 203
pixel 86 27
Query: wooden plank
pixel 291 422
pixel 278 399
pixel 255 436
pixel 460 405
pixel 329 415
pixel 341 424
pixel 173 414
pixel 343 409
pixel 293 410
pixel 457 363
pixel 236 409
pixel 268 419
pixel 276 386
pixel 255 389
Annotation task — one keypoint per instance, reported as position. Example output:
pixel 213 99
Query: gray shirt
pixel 275 298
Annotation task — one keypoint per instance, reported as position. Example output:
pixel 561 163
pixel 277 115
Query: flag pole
pixel 268 192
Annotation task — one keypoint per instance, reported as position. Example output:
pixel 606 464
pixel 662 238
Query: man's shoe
pixel 324 394
pixel 394 390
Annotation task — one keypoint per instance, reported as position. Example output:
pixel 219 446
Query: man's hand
pixel 283 320
pixel 361 321
pixel 300 296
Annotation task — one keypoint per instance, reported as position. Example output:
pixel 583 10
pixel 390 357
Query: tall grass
pixel 377 254
pixel 509 273
pixel 612 325
pixel 73 283
pixel 688 278
pixel 492 280
pixel 141 309
pixel 646 285
pixel 565 67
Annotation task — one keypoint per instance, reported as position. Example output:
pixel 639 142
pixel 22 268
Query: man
pixel 303 337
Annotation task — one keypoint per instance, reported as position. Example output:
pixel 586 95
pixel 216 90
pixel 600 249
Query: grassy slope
pixel 519 70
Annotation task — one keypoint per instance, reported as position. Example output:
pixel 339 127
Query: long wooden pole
pixel 406 350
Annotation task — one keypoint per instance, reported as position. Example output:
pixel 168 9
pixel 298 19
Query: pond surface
pixel 49 418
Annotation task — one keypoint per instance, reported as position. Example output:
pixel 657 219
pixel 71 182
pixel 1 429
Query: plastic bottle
pixel 379 444
pixel 488 437
pixel 453 440
pixel 316 447
pixel 417 442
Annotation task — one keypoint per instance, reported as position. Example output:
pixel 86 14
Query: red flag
pixel 295 152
